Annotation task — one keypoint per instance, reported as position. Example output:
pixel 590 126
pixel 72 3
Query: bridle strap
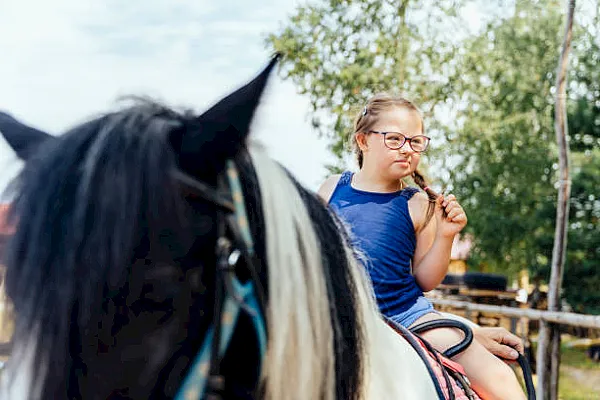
pixel 192 187
pixel 239 208
pixel 195 383
pixel 232 296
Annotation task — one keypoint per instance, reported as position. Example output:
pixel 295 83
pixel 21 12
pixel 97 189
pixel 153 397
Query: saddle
pixel 448 376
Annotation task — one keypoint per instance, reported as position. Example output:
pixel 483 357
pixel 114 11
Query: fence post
pixel 549 343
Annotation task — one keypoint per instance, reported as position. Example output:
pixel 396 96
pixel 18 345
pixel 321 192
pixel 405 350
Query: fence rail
pixel 563 318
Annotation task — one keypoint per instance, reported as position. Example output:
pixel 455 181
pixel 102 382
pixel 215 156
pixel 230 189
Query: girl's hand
pixel 499 342
pixel 455 219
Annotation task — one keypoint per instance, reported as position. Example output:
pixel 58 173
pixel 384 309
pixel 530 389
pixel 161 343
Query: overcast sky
pixel 64 60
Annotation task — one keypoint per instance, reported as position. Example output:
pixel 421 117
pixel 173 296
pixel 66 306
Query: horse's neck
pixel 395 368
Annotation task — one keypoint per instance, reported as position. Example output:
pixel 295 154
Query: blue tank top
pixel 381 227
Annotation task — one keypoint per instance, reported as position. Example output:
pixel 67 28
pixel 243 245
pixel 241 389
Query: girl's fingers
pixel 447 200
pixel 454 212
pixel 440 202
pixel 451 206
pixel 461 217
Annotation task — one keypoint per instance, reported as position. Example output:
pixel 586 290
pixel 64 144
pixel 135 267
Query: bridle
pixel 232 297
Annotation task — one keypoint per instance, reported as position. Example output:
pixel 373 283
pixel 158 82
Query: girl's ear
pixel 361 140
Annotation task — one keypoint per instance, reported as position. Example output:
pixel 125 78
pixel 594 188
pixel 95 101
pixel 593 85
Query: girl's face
pixel 392 164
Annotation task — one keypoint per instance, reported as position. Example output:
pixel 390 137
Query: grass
pixel 577 357
pixel 579 375
pixel 571 389
pixel 575 360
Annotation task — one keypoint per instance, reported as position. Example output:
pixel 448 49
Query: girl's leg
pixel 490 377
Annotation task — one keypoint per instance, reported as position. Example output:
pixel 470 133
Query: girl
pixel 406 234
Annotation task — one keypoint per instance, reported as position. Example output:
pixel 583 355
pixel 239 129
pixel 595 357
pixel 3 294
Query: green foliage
pixel 488 98
pixel 584 108
pixel 506 143
pixel 582 269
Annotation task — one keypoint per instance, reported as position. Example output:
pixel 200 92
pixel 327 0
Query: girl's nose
pixel 405 148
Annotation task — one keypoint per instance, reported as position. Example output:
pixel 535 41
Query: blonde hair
pixel 368 117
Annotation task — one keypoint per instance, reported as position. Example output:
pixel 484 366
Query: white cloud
pixel 69 59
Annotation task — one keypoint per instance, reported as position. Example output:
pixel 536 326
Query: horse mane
pixel 83 206
pixel 318 324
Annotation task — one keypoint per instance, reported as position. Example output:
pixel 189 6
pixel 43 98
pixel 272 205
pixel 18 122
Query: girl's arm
pixel 434 241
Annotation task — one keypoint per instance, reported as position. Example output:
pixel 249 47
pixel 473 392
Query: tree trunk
pixel 548 356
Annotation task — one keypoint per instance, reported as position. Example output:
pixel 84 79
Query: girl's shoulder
pixel 328 186
pixel 417 208
pixel 418 198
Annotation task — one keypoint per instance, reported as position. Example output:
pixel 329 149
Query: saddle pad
pixel 435 367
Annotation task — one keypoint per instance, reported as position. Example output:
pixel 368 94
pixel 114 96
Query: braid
pixel 420 181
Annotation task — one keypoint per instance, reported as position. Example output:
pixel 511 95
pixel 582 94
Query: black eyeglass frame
pixel 409 139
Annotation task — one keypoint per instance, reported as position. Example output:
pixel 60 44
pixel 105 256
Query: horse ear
pixel 219 133
pixel 23 139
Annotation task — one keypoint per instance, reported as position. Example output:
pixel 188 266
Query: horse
pixel 159 253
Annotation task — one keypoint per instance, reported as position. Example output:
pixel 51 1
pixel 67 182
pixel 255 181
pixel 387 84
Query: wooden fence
pixel 558 317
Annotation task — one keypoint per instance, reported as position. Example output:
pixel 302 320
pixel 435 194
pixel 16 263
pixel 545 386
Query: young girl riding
pixel 405 233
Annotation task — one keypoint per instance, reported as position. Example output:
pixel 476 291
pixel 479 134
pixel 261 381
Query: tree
pixel 549 337
pixel 507 170
pixel 584 108
pixel 504 173
pixel 581 280
pixel 339 53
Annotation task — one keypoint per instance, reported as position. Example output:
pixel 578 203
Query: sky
pixel 66 60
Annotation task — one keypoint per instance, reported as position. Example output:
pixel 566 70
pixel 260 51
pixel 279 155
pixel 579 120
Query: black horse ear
pixel 23 139
pixel 219 133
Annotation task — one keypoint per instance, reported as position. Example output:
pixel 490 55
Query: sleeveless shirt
pixel 381 228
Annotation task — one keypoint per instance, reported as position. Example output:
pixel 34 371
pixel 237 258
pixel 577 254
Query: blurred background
pixel 483 71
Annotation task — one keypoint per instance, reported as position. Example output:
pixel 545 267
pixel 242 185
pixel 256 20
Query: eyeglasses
pixel 395 140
